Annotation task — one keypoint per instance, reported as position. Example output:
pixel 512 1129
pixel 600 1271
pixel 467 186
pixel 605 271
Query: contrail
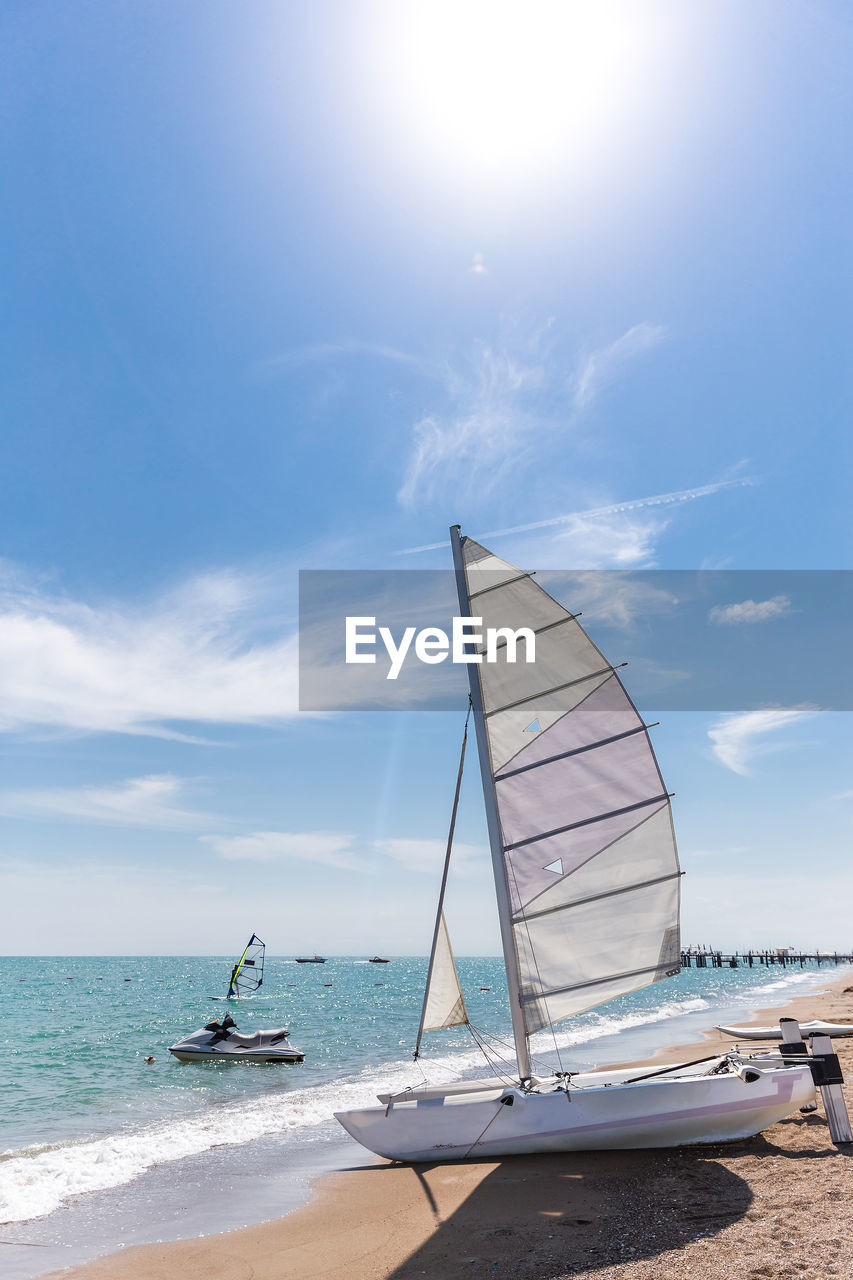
pixel 635 504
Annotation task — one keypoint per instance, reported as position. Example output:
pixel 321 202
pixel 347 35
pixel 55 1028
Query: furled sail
pixel 588 848
pixel 248 973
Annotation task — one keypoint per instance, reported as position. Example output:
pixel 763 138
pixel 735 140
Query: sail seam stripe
pixel 496 586
pixel 574 751
pixel 595 982
pixel 537 631
pixel 596 897
pixel 543 693
pixel 585 822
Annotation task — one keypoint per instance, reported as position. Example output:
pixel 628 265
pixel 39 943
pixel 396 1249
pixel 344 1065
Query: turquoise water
pixel 84 1113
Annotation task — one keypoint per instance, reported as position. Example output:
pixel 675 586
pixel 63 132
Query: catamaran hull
pixel 670 1113
pixel 834 1029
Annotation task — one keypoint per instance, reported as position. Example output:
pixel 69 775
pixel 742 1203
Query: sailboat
pixel 587 882
pixel 248 973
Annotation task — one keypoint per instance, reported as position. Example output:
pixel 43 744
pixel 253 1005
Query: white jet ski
pixel 775 1033
pixel 223 1040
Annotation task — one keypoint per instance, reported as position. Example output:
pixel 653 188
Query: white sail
pixel 589 860
pixel 444 1005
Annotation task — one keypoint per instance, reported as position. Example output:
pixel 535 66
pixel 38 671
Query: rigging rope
pixel 482 1135
pixel 509 1072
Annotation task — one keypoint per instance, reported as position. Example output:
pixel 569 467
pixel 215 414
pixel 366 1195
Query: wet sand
pixel 773 1206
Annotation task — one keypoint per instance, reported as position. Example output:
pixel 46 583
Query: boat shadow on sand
pixel 574 1213
pixel 814 1144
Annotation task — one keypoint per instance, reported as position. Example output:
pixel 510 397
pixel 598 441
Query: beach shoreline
pixel 769 1206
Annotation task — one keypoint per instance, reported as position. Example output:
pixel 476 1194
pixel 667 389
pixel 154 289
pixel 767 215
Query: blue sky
pixel 296 286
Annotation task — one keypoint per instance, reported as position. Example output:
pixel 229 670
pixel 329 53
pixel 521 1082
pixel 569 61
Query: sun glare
pixel 500 85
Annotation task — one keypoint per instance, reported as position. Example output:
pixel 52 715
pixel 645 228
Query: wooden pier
pixel 709 959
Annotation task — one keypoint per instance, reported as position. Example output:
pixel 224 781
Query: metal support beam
pixel 830 1090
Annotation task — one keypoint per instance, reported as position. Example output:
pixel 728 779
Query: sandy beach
pixel 776 1205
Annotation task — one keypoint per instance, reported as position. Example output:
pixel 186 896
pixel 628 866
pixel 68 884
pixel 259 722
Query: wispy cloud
pixel 732 850
pixel 152 801
pixel 343 851
pixel 200 653
pixel 496 404
pixel 328 848
pixel 491 403
pixel 318 352
pixel 597 369
pixel 615 541
pixel 615 599
pixel 739 739
pixel 502 399
pixel 750 611
pixel 428 855
pixel 584 523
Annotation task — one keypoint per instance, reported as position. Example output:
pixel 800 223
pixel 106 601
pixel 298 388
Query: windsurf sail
pixel 248 973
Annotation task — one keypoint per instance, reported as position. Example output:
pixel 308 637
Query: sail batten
pixel 524 916
pixel 536 631
pixel 584 822
pixel 583 814
pixel 496 586
pixel 574 751
pixel 594 982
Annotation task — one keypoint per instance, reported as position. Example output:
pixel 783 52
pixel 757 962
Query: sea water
pixel 84 1113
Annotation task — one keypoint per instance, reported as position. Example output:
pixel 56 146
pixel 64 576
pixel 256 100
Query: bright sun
pixel 501 85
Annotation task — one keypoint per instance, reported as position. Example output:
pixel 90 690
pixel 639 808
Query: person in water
pixel 231 990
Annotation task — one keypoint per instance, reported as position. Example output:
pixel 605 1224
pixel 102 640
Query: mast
pixel 522 1050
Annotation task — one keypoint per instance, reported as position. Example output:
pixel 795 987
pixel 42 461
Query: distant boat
pixel 587 881
pixel 377 960
pixel 310 959
pixel 248 973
